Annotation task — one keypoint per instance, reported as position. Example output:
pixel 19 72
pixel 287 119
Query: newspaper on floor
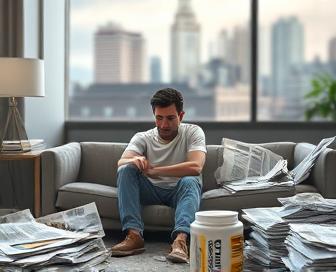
pixel 311 247
pixel 25 238
pixel 265 248
pixel 81 219
pixel 302 170
pixel 54 241
pixel 313 201
pixel 272 243
pixel 311 207
pixel 17 217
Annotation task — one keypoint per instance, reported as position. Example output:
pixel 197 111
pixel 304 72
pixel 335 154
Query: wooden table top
pixel 20 155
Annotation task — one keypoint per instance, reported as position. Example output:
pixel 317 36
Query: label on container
pixel 237 255
pixel 214 255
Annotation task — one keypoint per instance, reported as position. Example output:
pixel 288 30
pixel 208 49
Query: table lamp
pixel 19 77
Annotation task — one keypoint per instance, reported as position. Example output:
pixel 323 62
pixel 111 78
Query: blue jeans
pixel 135 190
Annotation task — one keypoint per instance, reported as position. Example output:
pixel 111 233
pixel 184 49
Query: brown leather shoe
pixel 179 252
pixel 133 244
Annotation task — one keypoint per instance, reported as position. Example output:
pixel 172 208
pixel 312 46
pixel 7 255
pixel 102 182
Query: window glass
pixel 297 43
pixel 121 52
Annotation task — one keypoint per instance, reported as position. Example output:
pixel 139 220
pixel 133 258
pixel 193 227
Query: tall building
pixel 234 50
pixel 241 53
pixel 332 50
pixel 155 70
pixel 224 46
pixel 185 44
pixel 332 56
pixel 119 55
pixel 288 75
pixel 287 52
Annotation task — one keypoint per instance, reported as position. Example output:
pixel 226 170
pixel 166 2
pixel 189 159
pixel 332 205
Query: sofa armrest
pixel 323 175
pixel 59 166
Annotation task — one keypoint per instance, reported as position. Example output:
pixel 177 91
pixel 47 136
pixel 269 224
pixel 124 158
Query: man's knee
pixel 127 168
pixel 190 182
pixel 125 173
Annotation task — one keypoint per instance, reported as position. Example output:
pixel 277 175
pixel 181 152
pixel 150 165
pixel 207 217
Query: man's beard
pixel 167 134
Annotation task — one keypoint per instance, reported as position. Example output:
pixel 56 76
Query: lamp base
pixel 14 138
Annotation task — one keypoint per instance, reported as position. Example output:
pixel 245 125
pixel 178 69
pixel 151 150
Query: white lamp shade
pixel 20 77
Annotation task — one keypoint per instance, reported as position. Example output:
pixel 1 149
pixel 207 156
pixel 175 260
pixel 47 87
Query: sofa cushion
pixel 305 188
pixel 221 199
pixel 158 215
pixel 77 194
pixel 99 162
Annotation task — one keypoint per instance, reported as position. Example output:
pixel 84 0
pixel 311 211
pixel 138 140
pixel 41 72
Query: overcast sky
pixel 153 18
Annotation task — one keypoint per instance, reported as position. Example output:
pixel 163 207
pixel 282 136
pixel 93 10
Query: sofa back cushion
pixel 284 149
pixel 301 151
pixel 99 162
pixel 214 159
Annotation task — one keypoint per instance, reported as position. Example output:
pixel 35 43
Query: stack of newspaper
pixel 64 241
pixel 308 208
pixel 271 247
pixel 311 247
pixel 251 167
pixel 266 247
pixel 311 242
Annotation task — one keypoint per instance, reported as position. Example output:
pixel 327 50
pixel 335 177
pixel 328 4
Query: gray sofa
pixel 78 173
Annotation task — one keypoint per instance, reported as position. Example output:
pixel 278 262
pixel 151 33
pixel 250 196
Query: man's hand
pixel 138 160
pixel 151 172
pixel 141 162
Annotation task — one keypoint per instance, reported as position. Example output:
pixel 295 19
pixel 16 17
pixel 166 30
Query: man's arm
pixel 191 167
pixel 133 157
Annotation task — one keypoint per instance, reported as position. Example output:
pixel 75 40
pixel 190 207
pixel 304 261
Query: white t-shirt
pixel 149 144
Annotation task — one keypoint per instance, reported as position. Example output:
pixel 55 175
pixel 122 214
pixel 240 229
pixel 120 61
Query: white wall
pixel 31 35
pixel 44 116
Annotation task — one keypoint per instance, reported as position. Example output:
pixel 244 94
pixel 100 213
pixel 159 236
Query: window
pixel 108 112
pixel 295 45
pixel 121 52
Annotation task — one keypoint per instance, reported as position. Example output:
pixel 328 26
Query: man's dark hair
pixel 167 97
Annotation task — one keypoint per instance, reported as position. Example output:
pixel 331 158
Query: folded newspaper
pixel 66 241
pixel 302 171
pixel 252 167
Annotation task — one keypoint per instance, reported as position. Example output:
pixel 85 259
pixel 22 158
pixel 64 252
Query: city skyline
pixel 81 52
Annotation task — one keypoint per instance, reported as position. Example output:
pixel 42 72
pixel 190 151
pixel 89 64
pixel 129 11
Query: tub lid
pixel 217 217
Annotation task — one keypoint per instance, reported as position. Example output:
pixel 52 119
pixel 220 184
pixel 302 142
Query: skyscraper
pixel 185 44
pixel 224 46
pixel 119 55
pixel 288 75
pixel 287 52
pixel 332 50
pixel 332 56
pixel 155 70
pixel 241 53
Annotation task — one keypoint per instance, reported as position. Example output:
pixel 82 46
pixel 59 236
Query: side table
pixel 31 155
